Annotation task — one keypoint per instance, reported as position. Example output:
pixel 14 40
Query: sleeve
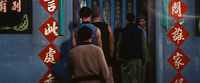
pixel 146 56
pixel 103 66
pixel 118 47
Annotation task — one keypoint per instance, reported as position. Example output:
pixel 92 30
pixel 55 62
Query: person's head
pixel 84 34
pixel 141 20
pixel 96 12
pixel 130 18
pixel 85 12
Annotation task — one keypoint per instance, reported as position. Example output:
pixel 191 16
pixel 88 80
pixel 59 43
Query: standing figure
pixel 106 36
pixel 85 15
pixel 132 51
pixel 87 63
pixel 141 21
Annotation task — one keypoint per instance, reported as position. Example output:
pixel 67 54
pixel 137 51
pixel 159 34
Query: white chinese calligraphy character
pixel 3 6
pixel 50 80
pixel 179 81
pixel 51 29
pixel 176 8
pixel 49 56
pixel 177 60
pixel 178 35
pixel 16 6
pixel 51 5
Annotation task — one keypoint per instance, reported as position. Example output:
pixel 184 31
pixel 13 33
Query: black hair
pixel 84 33
pixel 141 16
pixel 130 17
pixel 85 12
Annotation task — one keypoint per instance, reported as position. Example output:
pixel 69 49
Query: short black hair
pixel 84 33
pixel 85 12
pixel 141 16
pixel 130 17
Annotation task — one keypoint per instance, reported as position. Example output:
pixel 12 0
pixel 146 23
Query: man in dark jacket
pixel 132 51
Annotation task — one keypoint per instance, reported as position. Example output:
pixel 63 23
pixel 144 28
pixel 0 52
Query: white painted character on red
pixel 179 81
pixel 51 5
pixel 50 80
pixel 16 6
pixel 3 7
pixel 178 35
pixel 50 56
pixel 177 60
pixel 51 29
pixel 176 8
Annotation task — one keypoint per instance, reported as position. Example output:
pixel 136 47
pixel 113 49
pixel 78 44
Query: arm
pixel 118 47
pixel 73 39
pixel 146 58
pixel 99 42
pixel 111 44
pixel 103 67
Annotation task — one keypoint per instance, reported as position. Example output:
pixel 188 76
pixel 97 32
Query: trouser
pixel 131 71
pixel 143 75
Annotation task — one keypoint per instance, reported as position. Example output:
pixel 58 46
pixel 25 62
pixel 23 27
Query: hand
pixel 144 66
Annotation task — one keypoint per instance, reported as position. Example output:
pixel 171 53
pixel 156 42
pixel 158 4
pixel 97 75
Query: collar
pixel 130 24
pixel 85 43
pixel 85 22
pixel 141 28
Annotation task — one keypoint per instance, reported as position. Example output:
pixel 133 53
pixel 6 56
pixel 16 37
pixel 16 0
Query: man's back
pixel 132 42
pixel 86 60
pixel 105 40
pixel 94 30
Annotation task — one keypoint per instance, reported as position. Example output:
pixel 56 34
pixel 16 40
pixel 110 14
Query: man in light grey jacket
pixel 86 61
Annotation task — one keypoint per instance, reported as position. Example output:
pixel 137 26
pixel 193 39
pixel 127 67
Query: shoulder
pixel 73 49
pixel 97 48
pixel 76 28
pixel 92 25
pixel 103 23
pixel 139 29
pixel 100 24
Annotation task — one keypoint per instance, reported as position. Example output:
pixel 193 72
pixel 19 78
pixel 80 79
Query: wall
pixel 20 63
pixel 19 60
pixel 165 47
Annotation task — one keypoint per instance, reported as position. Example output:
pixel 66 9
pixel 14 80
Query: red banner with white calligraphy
pixel 51 77
pixel 178 34
pixel 50 55
pixel 51 6
pixel 49 29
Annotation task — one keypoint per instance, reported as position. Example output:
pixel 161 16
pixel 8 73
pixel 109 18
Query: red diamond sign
pixel 50 5
pixel 179 79
pixel 178 60
pixel 178 34
pixel 50 55
pixel 177 9
pixel 50 77
pixel 49 29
